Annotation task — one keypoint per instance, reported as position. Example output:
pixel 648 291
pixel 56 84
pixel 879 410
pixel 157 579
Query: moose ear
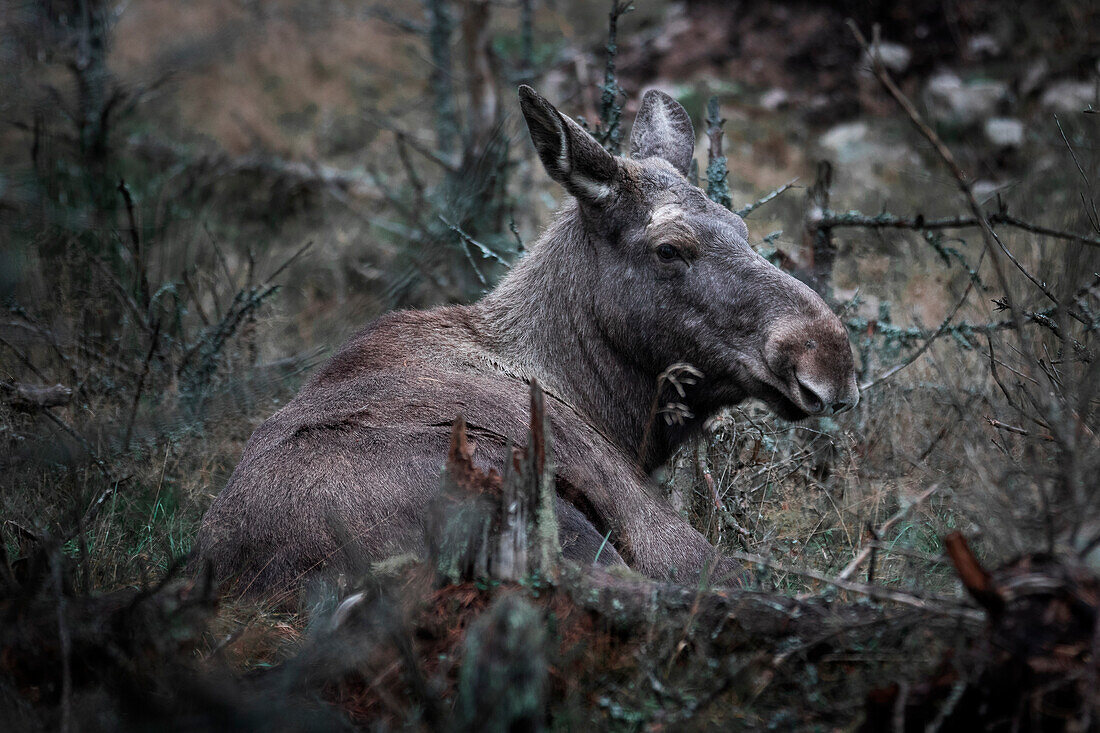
pixel 570 155
pixel 663 130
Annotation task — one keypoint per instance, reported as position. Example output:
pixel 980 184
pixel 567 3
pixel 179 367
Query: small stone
pixel 1070 96
pixel 895 57
pixel 983 45
pixel 844 136
pixel 952 102
pixel 984 190
pixel 1004 132
pixel 774 99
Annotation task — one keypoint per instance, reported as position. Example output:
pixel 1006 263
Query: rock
pixel 1004 132
pixel 895 57
pixel 774 99
pixel 866 152
pixel 957 104
pixel 844 136
pixel 676 26
pixel 983 45
pixel 1068 96
pixel 984 190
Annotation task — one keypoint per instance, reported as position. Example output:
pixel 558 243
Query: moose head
pixel 644 271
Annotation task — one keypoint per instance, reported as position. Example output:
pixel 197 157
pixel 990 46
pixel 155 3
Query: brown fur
pixel 344 473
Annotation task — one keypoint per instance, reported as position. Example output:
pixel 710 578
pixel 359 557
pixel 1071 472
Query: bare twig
pixel 23 358
pixel 704 469
pixel 840 219
pixel 486 253
pixel 137 251
pixel 1094 217
pixel 994 423
pixel 123 295
pixel 992 242
pixel 748 209
pixel 927 343
pixel 244 303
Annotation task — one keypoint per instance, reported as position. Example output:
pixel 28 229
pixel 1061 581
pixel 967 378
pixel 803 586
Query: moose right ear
pixel 570 155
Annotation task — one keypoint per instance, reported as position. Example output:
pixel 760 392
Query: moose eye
pixel 667 252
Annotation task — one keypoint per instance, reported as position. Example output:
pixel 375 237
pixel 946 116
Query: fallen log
pixel 32 397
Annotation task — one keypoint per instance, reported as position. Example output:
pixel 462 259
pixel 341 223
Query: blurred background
pixel 199 201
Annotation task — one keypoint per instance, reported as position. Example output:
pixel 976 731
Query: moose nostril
pixel 812 402
pixel 839 407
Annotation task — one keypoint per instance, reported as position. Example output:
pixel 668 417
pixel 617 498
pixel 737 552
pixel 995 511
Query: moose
pixel 638 271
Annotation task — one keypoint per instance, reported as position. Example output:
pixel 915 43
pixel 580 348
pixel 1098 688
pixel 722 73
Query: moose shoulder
pixel 639 271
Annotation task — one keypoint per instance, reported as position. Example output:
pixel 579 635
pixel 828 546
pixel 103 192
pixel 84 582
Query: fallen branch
pixel 975 579
pixel 29 397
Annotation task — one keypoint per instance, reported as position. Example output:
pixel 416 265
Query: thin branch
pixel 838 219
pixel 137 250
pixel 745 211
pixel 153 342
pixel 993 423
pixel 124 297
pixel 1094 218
pixel 484 250
pixel 23 358
pixel 400 22
pixel 83 443
pixel 928 342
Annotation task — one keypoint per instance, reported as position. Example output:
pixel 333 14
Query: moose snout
pixel 818 398
pixel 814 361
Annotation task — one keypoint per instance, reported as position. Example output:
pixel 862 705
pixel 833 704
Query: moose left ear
pixel 663 130
pixel 570 155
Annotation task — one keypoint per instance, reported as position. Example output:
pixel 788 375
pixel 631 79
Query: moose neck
pixel 542 323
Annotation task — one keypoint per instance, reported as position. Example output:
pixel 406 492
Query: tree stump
pixel 489 526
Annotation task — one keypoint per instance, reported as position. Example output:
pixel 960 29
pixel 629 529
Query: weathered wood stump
pixel 489 526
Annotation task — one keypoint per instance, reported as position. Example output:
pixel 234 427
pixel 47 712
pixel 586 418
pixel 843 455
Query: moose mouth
pixel 780 403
